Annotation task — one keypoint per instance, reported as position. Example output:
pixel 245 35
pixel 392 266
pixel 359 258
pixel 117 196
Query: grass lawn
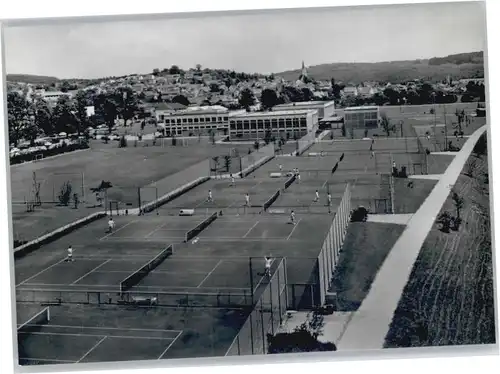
pixel 409 200
pixel 126 168
pixel 449 298
pixel 365 249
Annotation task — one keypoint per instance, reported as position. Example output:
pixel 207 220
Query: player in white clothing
pixel 298 178
pixel 247 200
pixel 281 167
pixel 210 198
pixel 316 198
pixel 267 268
pixel 292 217
pixel 111 224
pixel 70 254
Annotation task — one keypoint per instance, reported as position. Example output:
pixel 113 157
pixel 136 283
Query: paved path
pixel 398 219
pixel 434 177
pixel 370 324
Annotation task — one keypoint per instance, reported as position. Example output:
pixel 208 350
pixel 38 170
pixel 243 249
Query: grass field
pixel 126 168
pixel 449 298
pixel 365 249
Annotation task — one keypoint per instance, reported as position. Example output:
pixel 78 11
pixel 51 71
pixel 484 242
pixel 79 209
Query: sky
pixel 265 43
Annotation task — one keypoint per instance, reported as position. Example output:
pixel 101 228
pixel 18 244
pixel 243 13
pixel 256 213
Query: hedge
pixel 66 148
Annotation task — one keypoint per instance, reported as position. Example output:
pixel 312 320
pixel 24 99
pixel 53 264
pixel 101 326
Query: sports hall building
pixel 288 124
pixel 361 118
pixel 325 109
pixel 194 120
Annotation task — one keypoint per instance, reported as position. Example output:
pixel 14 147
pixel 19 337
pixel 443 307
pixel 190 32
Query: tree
pixel 481 147
pixel 43 117
pixel 198 67
pixel 386 124
pixel 268 98
pixel 64 119
pixel 181 99
pixel 65 193
pixel 459 202
pixel 19 120
pixel 247 98
pixel 81 103
pixel 156 72
pixel 216 160
pixel 214 88
pixel 127 103
pixel 106 108
pixel 174 69
pixel 307 94
pixel 227 162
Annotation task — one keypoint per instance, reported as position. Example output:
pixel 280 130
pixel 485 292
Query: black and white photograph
pixel 249 183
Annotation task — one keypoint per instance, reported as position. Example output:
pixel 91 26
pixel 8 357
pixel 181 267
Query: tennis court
pixel 84 334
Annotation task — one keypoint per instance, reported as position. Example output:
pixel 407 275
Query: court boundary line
pixel 170 345
pixel 118 229
pixel 91 271
pixel 210 273
pixel 294 227
pixel 94 335
pixel 104 328
pixel 41 272
pixel 48 359
pixel 91 349
pixel 143 289
pixel 251 228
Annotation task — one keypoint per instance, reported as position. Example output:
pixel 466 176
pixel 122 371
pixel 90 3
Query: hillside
pixel 464 65
pixel 34 79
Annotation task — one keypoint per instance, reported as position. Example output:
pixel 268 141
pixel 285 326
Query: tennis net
pixel 289 182
pixel 34 323
pixel 134 278
pixel 273 198
pixel 200 227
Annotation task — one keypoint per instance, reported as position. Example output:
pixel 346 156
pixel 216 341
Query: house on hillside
pixel 366 92
pixel 350 91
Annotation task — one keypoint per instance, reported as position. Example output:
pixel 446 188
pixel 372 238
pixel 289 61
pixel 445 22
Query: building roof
pixel 332 119
pixel 213 109
pixel 306 104
pixel 360 108
pixel 169 106
pixel 277 113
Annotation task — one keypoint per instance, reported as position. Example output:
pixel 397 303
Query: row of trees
pixel 28 119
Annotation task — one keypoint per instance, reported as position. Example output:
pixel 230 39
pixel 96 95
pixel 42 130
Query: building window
pixel 288 122
pixel 184 120
pixel 214 119
pixel 239 125
pixel 225 119
pixel 232 125
pixel 281 123
pixel 267 123
pixel 260 124
pixel 303 122
pixel 219 119
pixel 195 120
pixel 162 117
pixel 202 119
pixel 246 125
pixel 253 124
pixel 167 121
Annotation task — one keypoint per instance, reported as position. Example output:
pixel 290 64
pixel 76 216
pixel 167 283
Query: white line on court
pixel 251 228
pixel 40 272
pixel 156 229
pixel 106 328
pixel 100 288
pixel 47 360
pixel 91 349
pixel 93 335
pixel 118 229
pixel 94 269
pixel 294 227
pixel 210 273
pixel 168 347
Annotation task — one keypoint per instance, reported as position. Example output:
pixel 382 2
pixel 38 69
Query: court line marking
pixel 294 227
pixel 47 360
pixel 104 328
pixel 91 349
pixel 210 273
pixel 118 229
pixel 91 271
pixel 93 335
pixel 168 347
pixel 156 229
pixel 251 228
pixel 41 272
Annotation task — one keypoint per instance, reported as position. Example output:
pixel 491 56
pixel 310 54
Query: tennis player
pixel 298 178
pixel 329 199
pixel 292 217
pixel 232 180
pixel 70 254
pixel 268 262
pixel 247 199
pixel 316 199
pixel 210 198
pixel 111 224
pixel 281 167
pixel 373 154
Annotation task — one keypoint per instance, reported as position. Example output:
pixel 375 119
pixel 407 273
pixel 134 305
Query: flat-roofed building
pixel 288 124
pixel 194 120
pixel 361 118
pixel 325 108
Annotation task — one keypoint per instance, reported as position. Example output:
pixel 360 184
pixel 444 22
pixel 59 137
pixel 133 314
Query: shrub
pixel 19 159
pixel 359 214
pixel 445 220
pixel 65 193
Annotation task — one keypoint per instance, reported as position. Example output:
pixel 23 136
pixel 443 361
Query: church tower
pixel 304 72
